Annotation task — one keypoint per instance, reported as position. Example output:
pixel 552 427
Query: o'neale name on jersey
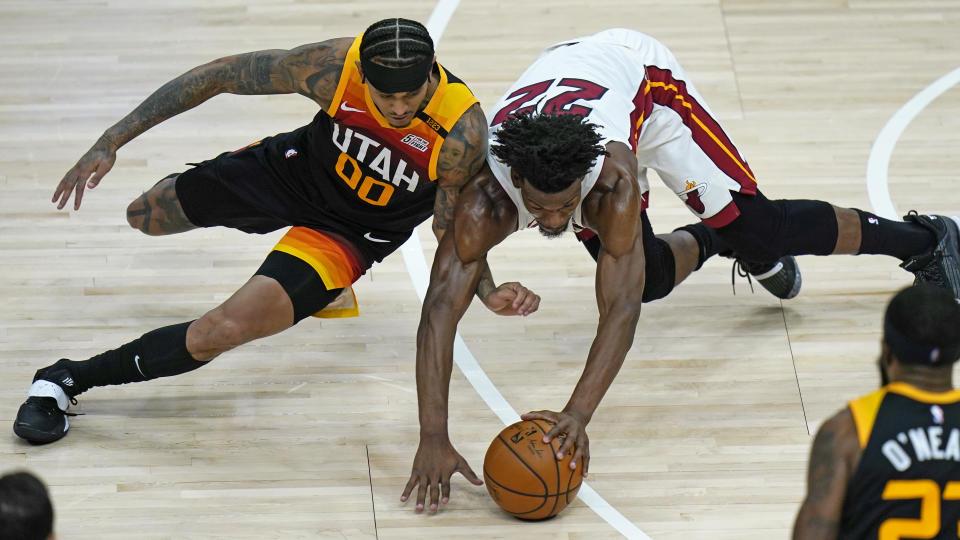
pixel 926 444
pixel 376 155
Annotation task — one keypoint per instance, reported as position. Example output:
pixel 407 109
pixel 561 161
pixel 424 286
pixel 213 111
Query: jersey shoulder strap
pixel 347 74
pixel 864 410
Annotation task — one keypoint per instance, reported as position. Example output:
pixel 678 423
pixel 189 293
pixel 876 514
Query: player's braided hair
pixel 396 43
pixel 925 316
pixel 551 151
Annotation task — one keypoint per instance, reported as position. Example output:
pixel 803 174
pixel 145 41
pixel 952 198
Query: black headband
pixel 909 351
pixel 390 80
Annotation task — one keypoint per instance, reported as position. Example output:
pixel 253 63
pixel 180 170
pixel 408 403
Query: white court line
pixel 879 161
pixel 416 264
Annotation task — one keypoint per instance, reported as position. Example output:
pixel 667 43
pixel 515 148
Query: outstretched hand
pixel 572 429
pixel 87 173
pixel 512 298
pixel 435 463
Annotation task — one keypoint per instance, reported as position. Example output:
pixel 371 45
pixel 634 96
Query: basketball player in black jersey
pixel 352 184
pixel 888 465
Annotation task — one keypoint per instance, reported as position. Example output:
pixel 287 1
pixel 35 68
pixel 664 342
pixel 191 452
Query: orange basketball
pixel 523 475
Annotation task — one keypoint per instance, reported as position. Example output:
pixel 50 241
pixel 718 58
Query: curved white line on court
pixel 879 161
pixel 416 264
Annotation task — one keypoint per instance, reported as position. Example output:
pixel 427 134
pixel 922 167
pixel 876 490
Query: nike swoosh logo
pixel 371 238
pixel 136 361
pixel 346 107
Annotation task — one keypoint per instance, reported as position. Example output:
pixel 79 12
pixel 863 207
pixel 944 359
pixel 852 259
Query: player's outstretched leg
pixel 260 308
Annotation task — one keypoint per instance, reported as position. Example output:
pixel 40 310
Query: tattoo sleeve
pixel 464 149
pixel 308 70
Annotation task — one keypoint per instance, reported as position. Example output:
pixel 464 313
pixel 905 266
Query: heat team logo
pixel 419 143
pixel 691 194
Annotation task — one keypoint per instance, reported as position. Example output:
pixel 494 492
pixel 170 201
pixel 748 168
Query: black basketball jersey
pixel 350 171
pixel 907 484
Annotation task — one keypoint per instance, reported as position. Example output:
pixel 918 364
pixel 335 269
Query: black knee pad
pixel 767 230
pixel 301 282
pixel 661 268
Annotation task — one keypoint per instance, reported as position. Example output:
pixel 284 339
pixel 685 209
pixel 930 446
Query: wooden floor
pixel 310 434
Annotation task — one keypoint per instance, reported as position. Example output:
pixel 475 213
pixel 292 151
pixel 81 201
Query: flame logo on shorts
pixel 691 195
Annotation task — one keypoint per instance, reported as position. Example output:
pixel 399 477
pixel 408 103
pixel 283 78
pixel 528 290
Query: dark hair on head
pixel 396 43
pixel 551 151
pixel 923 318
pixel 26 512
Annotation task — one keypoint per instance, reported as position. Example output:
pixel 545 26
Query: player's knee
pixel 136 216
pixel 216 332
pixel 767 230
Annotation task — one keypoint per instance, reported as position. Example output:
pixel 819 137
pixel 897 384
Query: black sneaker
pixel 43 417
pixel 781 278
pixel 941 265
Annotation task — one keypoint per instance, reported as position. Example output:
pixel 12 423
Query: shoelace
pixel 73 401
pixel 739 269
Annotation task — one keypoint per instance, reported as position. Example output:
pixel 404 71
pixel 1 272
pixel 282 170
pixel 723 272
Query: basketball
pixel 523 475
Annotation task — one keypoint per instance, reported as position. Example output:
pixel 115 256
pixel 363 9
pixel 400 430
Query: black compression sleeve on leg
pixel 165 352
pixel 767 230
pixel 158 353
pixel 900 239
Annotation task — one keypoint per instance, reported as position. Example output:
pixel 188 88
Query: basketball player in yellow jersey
pixel 395 139
pixel 887 467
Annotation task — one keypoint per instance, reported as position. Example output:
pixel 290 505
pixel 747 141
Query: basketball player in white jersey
pixel 572 140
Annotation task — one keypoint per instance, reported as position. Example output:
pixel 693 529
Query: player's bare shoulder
pixel 314 69
pixel 614 202
pixel 485 215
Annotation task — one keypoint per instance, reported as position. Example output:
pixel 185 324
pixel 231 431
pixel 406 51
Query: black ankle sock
pixel 158 353
pixel 710 244
pixel 900 239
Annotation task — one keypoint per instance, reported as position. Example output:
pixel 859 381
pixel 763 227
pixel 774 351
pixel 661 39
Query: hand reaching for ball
pixel 573 430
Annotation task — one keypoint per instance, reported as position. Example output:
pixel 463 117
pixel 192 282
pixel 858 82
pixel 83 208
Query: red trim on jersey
pixel 724 217
pixel 585 234
pixel 670 92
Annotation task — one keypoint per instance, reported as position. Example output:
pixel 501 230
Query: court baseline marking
pixel 412 251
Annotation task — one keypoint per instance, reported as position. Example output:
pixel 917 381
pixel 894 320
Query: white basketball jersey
pixel 658 114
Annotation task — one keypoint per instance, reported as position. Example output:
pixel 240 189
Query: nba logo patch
pixel 290 153
pixel 937 413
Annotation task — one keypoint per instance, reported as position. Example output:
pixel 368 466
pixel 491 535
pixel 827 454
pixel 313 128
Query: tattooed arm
pixel 833 459
pixel 310 70
pixel 461 158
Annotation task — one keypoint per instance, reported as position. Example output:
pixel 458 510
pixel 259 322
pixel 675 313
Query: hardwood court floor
pixel 311 433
